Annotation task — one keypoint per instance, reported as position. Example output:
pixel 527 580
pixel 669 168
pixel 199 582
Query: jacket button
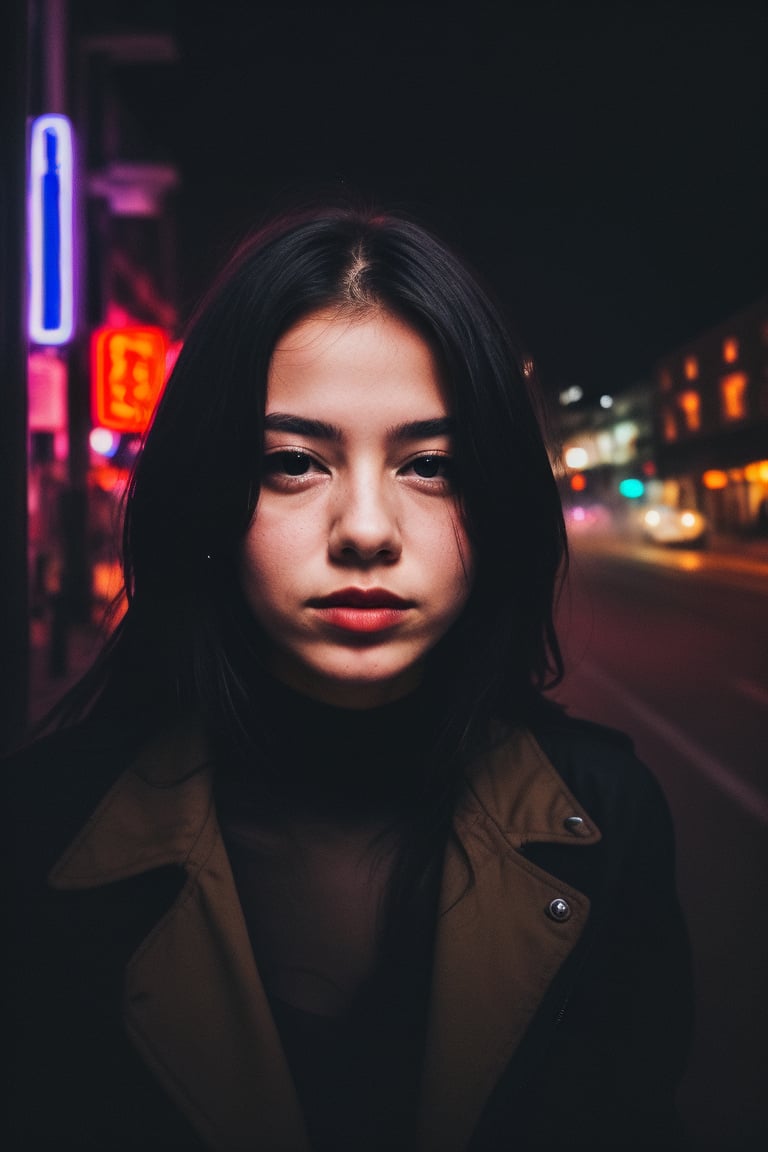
pixel 559 909
pixel 573 823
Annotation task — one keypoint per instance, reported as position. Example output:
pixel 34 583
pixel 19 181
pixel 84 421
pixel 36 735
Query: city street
pixel 598 170
pixel 672 647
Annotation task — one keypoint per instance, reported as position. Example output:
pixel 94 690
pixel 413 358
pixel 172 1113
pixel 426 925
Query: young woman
pixel 312 863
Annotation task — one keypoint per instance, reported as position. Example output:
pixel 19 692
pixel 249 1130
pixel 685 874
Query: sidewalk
pixel 743 546
pixel 58 658
pixel 53 671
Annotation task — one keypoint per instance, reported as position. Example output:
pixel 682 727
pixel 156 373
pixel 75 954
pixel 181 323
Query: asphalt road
pixel 672 647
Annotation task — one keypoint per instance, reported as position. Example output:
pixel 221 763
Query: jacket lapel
pixel 497 945
pixel 194 1005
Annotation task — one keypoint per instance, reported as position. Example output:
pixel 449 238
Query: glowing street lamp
pixel 576 457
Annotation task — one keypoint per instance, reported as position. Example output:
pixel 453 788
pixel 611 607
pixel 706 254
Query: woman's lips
pixel 362 609
pixel 362 619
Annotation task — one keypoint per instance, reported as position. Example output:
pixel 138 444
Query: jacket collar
pixel 196 1009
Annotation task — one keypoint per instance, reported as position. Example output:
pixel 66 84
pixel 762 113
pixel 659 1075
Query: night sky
pixel 603 164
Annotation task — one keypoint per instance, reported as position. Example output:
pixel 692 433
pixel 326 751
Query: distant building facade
pixel 711 422
pixel 607 446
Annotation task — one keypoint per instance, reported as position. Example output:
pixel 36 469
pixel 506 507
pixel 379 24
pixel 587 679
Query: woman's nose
pixel 364 523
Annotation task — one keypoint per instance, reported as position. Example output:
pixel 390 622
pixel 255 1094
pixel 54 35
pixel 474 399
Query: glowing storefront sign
pixel 46 392
pixel 128 374
pixel 50 231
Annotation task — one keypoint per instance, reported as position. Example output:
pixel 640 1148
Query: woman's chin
pixel 363 685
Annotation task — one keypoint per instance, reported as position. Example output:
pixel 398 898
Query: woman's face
pixel 356 561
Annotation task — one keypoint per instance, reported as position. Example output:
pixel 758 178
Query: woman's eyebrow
pixel 422 429
pixel 322 430
pixel 302 426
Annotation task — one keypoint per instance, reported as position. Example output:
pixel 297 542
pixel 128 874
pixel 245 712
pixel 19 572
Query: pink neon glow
pixel 60 126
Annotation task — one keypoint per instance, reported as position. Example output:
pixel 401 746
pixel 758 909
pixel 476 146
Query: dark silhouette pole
pixel 14 596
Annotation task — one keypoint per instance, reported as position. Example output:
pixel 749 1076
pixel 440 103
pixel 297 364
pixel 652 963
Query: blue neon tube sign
pixel 50 231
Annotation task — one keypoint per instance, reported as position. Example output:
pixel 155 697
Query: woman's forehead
pixel 342 361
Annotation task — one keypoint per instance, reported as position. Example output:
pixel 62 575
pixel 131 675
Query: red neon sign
pixel 128 375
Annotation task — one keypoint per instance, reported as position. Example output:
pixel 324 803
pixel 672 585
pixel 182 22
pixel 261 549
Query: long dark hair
pixel 186 642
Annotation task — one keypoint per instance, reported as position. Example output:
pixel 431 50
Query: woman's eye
pixel 289 463
pixel 435 467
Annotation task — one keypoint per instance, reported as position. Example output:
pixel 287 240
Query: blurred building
pixel 711 421
pixel 608 450
pixel 695 436
pixel 111 72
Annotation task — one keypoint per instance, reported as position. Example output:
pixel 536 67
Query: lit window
pixel 730 350
pixel 691 368
pixel 665 379
pixel 668 424
pixel 690 404
pixel 733 394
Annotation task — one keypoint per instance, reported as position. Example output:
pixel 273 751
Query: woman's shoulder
pixel 573 738
pixel 601 766
pixel 51 784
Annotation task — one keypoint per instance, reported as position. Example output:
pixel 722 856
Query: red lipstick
pixel 362 609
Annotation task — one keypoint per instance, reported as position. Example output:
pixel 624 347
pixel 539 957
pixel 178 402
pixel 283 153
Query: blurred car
pixel 663 524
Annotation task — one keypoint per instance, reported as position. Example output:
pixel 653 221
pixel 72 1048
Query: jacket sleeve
pixel 625 1030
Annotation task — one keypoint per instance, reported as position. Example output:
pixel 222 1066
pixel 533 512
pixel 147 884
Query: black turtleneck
pixel 337 760
pixel 312 867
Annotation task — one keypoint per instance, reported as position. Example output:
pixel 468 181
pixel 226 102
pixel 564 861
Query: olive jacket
pixel 560 1008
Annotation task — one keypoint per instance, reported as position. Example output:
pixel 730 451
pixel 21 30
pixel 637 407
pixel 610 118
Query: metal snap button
pixel 573 823
pixel 559 909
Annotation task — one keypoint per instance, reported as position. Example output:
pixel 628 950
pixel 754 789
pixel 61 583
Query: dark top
pixel 312 881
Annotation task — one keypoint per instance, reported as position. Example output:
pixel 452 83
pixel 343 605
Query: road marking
pixel 747 797
pixel 753 691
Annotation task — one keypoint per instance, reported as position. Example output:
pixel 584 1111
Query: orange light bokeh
pixel 733 393
pixel 730 350
pixel 690 403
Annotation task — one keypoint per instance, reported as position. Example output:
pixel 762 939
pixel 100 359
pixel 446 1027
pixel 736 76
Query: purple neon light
pixel 50 231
